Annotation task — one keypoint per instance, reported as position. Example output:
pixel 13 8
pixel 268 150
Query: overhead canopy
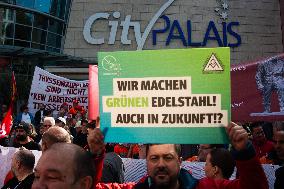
pixel 45 56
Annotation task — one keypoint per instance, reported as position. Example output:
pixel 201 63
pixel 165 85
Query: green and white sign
pixel 165 96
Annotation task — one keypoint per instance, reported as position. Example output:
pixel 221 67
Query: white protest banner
pixel 53 91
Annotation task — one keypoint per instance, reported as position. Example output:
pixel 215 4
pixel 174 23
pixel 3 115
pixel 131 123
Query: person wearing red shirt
pixel 261 145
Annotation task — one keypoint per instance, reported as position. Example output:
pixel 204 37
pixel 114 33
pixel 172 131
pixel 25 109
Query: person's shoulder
pixel 214 183
pixel 33 146
pixel 187 180
pixel 269 143
pixel 11 183
pixel 28 181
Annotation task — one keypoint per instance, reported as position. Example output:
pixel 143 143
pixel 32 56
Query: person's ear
pixel 180 160
pixel 18 164
pixel 86 182
pixel 215 170
pixel 43 146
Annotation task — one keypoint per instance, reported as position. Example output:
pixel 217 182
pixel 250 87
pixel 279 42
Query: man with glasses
pixel 47 123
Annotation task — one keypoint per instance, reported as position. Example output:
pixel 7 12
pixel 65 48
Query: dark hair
pixel 26 158
pixel 256 124
pixel 216 146
pixel 23 107
pixel 24 126
pixel 223 159
pixel 84 121
pixel 92 124
pixel 83 164
pixel 176 146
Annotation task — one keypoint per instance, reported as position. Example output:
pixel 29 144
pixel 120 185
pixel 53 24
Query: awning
pixel 47 57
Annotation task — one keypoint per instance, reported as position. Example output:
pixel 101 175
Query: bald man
pixel 64 165
pixel 53 135
pixel 22 166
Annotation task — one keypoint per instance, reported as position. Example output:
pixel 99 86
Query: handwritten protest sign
pixel 166 96
pixel 53 91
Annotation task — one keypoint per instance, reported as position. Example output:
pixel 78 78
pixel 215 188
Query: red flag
pixel 93 93
pixel 7 120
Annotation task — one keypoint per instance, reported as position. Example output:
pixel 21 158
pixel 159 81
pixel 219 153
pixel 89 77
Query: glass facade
pixel 38 24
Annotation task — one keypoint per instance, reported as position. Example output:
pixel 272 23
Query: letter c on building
pixel 88 26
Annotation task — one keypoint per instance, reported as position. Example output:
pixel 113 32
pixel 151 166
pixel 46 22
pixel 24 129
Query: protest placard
pixel 165 96
pixel 53 91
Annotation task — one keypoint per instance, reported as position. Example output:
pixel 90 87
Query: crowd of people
pixel 74 155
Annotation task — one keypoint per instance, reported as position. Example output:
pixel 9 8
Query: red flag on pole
pixel 93 93
pixel 7 120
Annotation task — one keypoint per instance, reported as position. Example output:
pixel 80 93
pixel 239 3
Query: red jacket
pixel 251 175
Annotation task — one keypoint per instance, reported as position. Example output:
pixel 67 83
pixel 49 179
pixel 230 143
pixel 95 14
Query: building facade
pixel 251 28
pixel 32 33
pixel 64 36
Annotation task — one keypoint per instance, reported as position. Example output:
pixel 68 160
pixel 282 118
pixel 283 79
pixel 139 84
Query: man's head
pixel 219 164
pixel 47 123
pixel 205 149
pixel 258 133
pixel 75 103
pixel 78 127
pixel 84 124
pixel 278 139
pixel 163 163
pixel 23 162
pixel 22 131
pixel 61 121
pixel 41 106
pixel 24 109
pixel 64 165
pixel 4 108
pixel 54 135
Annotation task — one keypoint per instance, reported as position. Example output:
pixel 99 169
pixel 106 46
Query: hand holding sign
pixel 238 136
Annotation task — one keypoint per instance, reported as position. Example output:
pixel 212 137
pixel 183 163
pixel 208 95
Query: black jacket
pixel 24 184
pixel 187 181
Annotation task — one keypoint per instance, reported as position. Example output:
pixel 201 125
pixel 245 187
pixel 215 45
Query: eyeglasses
pixel 47 125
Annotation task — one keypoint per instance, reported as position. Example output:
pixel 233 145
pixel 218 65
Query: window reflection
pixel 24 18
pixel 40 21
pixel 38 46
pixel 22 43
pixel 5 41
pixel 7 29
pixel 67 10
pixel 54 40
pixel 23 32
pixel 58 8
pixel 55 26
pixel 32 29
pixel 39 36
pixel 42 5
pixel 25 3
pixel 8 1
pixel 53 49
pixel 6 15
